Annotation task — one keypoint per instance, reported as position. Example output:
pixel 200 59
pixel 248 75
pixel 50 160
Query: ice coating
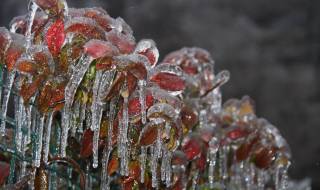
pixel 160 125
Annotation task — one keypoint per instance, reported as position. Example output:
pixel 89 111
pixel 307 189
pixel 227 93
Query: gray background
pixel 271 47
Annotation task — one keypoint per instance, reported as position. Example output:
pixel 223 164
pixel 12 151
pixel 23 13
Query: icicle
pixel 19 117
pixel 163 166
pixel 82 117
pixel 33 7
pixel 223 171
pixel 47 138
pixel 142 97
pixel 96 111
pixel 95 148
pixel 143 160
pixel 105 178
pixel 65 8
pixel 37 159
pixel 154 167
pixel 23 163
pixel 168 169
pixel 6 96
pixel 28 123
pixel 64 133
pixel 70 91
pixel 167 129
pixel 212 159
pixel 24 143
pixel 123 148
pixel 195 180
pixel 249 175
pixel 284 179
pixel 96 107
pixel 260 179
pixel 104 175
pixel 88 178
pixel 74 118
pixel 158 146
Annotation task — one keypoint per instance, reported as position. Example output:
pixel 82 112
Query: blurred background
pixel 271 48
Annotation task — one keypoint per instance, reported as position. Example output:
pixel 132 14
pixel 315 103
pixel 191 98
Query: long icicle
pixel 96 111
pixel 47 138
pixel 33 7
pixel 105 178
pixel 143 161
pixel 19 117
pixel 70 91
pixel 142 97
pixel 6 96
pixel 154 167
pixel 123 148
pixel 37 159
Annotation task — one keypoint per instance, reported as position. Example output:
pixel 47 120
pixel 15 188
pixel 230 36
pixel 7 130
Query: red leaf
pixel 4 172
pixel 134 107
pixel 149 135
pixel 27 67
pixel 55 37
pixel 168 81
pixel 150 55
pixel 237 133
pixel 134 172
pixel 90 31
pixel 124 43
pixel 12 55
pixel 263 157
pixel 98 48
pixel 192 148
pixel 87 144
pixel 201 162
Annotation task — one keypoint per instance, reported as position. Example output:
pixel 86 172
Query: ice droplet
pixel 6 95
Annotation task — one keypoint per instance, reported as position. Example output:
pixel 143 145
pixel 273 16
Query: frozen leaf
pixel 189 117
pixel 170 82
pixel 148 48
pixel 191 146
pixel 134 172
pixel 237 133
pixel 98 48
pixel 135 107
pixel 113 165
pixel 125 43
pixel 87 144
pixel 85 26
pixel 149 134
pixel 263 157
pixel 55 37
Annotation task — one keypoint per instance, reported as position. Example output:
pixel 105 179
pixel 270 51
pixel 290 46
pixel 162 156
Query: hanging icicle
pixel 47 138
pixel 142 97
pixel 5 101
pixel 37 158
